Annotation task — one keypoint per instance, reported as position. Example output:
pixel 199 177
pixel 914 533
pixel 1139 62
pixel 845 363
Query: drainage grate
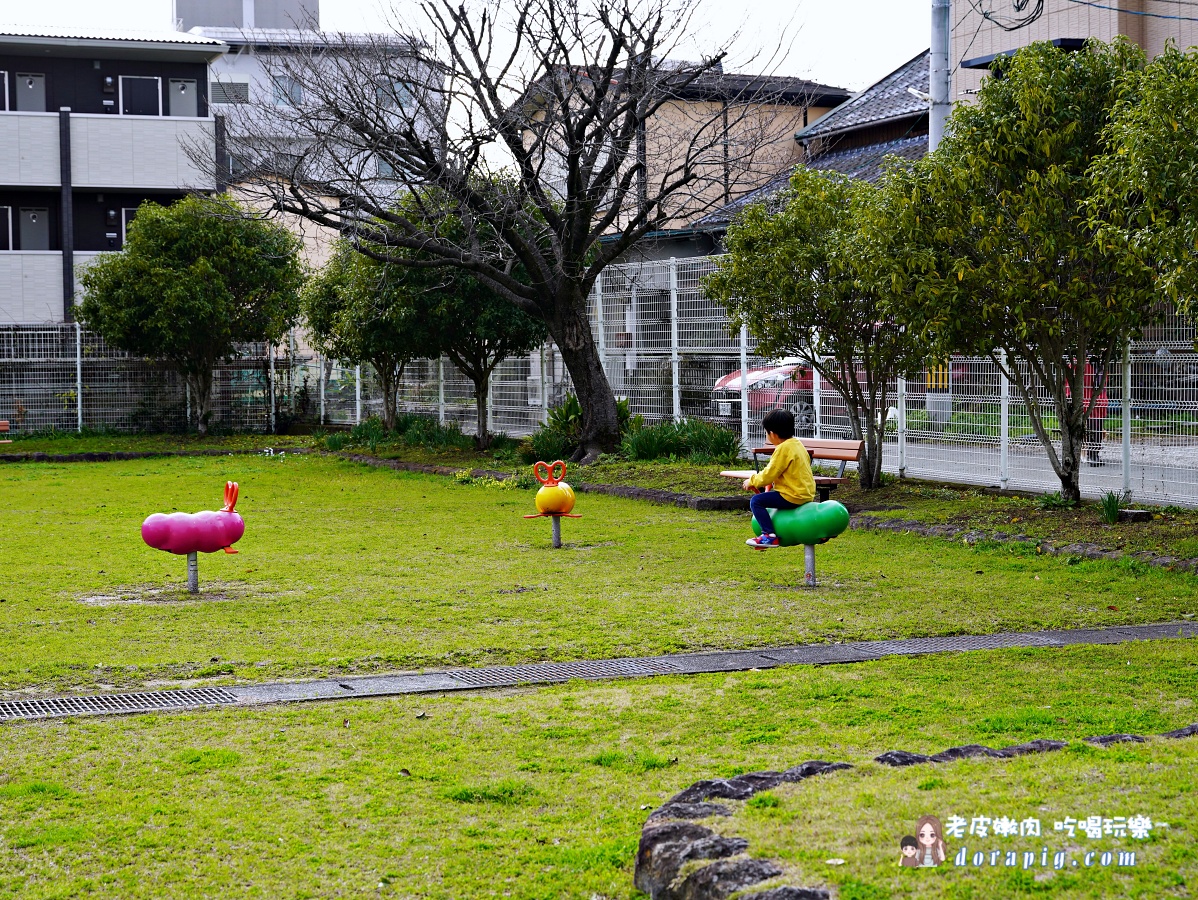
pixel 957 643
pixel 499 676
pixel 109 704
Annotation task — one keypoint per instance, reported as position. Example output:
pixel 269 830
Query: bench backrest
pixel 825 448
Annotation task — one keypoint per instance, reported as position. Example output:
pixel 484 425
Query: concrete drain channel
pixel 549 673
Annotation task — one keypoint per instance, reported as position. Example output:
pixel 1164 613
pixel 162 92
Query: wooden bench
pixel 823 449
pixel 4 430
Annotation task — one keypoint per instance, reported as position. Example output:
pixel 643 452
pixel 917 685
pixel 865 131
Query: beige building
pixel 976 40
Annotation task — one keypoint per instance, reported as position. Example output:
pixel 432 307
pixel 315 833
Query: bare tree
pixel 576 103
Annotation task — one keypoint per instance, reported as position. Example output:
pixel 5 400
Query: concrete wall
pixel 29 149
pixel 131 152
pixel 31 286
pixel 147 152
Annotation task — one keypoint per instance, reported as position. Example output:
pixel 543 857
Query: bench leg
pixel 809 565
pixel 824 493
pixel 193 574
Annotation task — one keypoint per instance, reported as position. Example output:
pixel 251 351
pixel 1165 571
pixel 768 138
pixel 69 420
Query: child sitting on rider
pixel 788 476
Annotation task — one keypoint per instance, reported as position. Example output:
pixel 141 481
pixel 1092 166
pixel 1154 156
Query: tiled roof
pixel 103 34
pixel 864 163
pixel 883 101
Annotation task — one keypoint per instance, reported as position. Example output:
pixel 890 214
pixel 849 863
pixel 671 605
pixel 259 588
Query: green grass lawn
pixel 541 792
pixel 350 568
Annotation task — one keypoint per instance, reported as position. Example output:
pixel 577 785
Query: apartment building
pixel 92 124
pixel 978 39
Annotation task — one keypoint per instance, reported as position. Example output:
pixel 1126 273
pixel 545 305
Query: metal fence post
pixel 544 393
pixel 187 396
pixel 320 381
pixel 358 394
pixel 675 383
pixel 490 402
pixel 744 388
pixel 271 351
pixel 902 427
pixel 815 401
pixel 441 389
pixel 599 321
pixel 79 375
pixel 1126 417
pixel 291 369
pixel 1004 425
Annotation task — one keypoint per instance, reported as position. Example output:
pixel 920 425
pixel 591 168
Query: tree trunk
pixel 482 436
pixel 570 328
pixel 389 376
pixel 869 469
pixel 1073 444
pixel 200 384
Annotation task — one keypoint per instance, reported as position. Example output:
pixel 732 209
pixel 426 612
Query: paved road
pixel 1159 473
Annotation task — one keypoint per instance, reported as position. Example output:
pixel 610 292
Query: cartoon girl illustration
pixel 909 847
pixel 929 834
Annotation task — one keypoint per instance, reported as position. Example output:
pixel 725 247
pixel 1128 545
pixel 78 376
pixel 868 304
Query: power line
pixel 1012 23
pixel 1131 12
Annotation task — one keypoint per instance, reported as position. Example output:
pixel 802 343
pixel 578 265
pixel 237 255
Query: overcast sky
pixel 847 43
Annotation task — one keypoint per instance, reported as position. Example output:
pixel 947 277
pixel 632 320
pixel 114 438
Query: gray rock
pixel 689 811
pixel 758 781
pixel 966 752
pixel 720 879
pixel 666 847
pixel 899 758
pixel 714 789
pixel 1135 515
pixel 1105 740
pixel 1040 745
pixel 1188 731
pixel 813 767
pixel 788 893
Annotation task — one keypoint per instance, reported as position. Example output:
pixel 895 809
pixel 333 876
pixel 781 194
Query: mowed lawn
pixel 347 568
pixel 540 793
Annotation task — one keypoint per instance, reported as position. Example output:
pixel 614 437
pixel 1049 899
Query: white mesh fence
pixel 668 350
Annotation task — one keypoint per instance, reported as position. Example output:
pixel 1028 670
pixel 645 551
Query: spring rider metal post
pixel 555 498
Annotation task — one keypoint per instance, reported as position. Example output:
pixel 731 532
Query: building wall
pixel 974 37
pixel 79 83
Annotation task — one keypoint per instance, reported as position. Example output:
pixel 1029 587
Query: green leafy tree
pixel 478 330
pixel 1146 200
pixel 195 280
pixel 361 310
pixel 793 274
pixel 1001 257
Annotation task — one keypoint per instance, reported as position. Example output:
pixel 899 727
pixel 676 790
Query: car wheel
pixel 804 414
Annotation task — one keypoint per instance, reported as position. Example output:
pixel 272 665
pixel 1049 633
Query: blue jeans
pixel 760 504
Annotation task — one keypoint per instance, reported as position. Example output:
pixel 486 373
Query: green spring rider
pixel 810 524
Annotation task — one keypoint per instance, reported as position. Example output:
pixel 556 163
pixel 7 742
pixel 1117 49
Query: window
pixel 229 91
pixel 288 91
pixel 141 95
pixel 31 92
pixel 396 96
pixel 3 95
pixel 5 228
pixel 127 214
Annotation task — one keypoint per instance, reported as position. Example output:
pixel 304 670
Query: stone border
pixel 678 859
pixel 117 455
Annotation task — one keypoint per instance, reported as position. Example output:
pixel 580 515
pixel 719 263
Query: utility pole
pixel 940 75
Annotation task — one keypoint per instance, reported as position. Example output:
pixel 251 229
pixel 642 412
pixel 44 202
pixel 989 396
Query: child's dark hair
pixel 781 422
pixel 909 841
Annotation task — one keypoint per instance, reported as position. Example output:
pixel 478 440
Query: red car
pixel 787 385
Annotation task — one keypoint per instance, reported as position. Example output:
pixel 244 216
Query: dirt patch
pixel 142 594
